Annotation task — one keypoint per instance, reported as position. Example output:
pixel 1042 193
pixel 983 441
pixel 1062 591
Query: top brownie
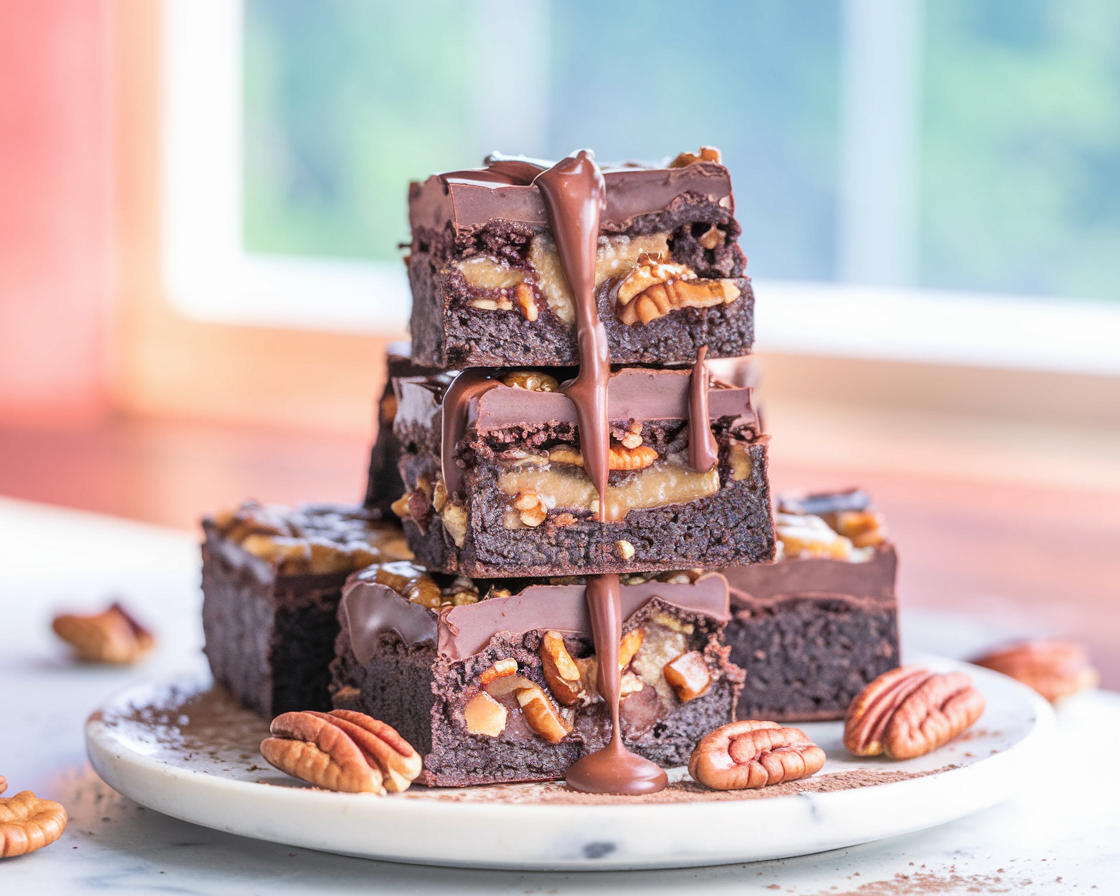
pixel 488 290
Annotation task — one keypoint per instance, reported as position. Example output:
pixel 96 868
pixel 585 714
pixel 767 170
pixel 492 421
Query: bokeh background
pixel 202 206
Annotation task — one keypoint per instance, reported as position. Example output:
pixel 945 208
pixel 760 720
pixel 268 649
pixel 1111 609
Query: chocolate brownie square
pixel 488 289
pixel 813 628
pixel 495 681
pixel 271 580
pixel 493 468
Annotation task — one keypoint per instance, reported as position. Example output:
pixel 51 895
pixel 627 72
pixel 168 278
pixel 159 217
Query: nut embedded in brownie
pixel 271 579
pixel 497 486
pixel 488 288
pixel 813 628
pixel 496 681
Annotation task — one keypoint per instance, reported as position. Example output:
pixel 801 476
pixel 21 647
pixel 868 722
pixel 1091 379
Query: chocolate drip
pixel 575 195
pixel 456 405
pixel 614 769
pixel 574 191
pixel 703 452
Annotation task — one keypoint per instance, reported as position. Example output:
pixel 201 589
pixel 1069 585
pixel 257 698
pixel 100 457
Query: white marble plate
pixel 187 750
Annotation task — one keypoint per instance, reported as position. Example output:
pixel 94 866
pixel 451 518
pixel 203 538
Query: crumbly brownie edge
pixel 809 656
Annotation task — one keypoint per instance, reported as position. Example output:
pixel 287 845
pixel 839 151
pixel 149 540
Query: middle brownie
pixel 496 487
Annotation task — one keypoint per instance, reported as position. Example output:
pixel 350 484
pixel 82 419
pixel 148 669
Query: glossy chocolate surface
pixel 873 580
pixel 370 609
pixel 633 393
pixel 505 190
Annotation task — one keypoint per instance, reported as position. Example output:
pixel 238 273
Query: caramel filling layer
pixel 617 255
pixel 569 488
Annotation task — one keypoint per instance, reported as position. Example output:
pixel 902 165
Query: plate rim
pixel 366 808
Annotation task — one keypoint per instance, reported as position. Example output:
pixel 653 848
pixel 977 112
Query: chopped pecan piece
pixel 703 154
pixel 1054 668
pixel 804 535
pixel 28 822
pixel 865 528
pixel 560 670
pixel 541 714
pixel 712 237
pixel 112 636
pixel 485 715
pixel 531 510
pixel 910 711
pixel 500 669
pixel 630 644
pixel 532 380
pixel 526 301
pixel 689 675
pixel 749 754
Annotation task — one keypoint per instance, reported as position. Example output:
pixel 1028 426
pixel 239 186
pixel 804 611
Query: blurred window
pixel 964 145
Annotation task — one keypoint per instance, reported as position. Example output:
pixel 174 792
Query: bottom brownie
pixel 813 628
pixel 502 688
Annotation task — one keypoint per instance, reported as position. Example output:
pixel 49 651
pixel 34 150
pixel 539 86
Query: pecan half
pixel 342 750
pixel 655 287
pixel 394 756
pixel 112 636
pixel 1054 668
pixel 28 823
pixel 910 711
pixel 619 457
pixel 749 754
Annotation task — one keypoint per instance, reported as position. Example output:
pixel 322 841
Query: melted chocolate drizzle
pixel 703 452
pixel 467 385
pixel 614 769
pixel 575 194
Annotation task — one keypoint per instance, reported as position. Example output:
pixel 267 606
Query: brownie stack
pixel 570 446
pixel 569 469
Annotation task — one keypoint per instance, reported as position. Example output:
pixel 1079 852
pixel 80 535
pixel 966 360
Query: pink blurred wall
pixel 55 209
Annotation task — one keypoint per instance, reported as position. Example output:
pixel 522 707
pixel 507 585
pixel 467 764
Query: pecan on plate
pixel 28 823
pixel 342 750
pixel 749 754
pixel 910 711
pixel 1054 668
pixel 112 636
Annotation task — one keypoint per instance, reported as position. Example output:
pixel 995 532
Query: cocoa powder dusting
pixel 685 791
pixel 920 883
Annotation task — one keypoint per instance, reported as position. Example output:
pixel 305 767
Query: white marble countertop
pixel 1060 836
